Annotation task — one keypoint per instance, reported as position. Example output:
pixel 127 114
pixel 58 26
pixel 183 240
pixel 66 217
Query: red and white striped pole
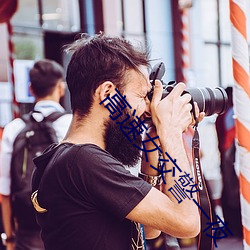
pixel 241 95
pixel 185 55
pixel 185 64
pixel 15 106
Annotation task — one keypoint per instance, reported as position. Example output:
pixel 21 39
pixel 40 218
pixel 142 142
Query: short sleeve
pixel 61 126
pixel 107 183
pixel 10 133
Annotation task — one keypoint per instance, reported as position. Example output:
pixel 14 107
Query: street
pixel 230 243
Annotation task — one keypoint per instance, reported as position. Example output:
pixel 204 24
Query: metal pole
pixel 219 42
pixel 87 16
pixel 40 12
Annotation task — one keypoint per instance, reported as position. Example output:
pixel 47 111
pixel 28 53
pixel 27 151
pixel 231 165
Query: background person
pixel 225 126
pixel 210 162
pixel 47 86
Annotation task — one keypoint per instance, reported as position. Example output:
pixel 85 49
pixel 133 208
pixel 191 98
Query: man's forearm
pixel 7 215
pixel 174 146
pixel 153 158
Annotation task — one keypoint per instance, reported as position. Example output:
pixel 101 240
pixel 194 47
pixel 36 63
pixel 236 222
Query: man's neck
pixel 86 131
pixel 48 98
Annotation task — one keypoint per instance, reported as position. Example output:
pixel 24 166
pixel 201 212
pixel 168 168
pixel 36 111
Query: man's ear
pixel 104 90
pixel 62 88
pixel 31 90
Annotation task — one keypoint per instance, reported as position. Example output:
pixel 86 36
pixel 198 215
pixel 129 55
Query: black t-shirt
pixel 88 194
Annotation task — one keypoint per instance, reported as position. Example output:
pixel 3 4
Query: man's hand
pixel 173 113
pixel 199 115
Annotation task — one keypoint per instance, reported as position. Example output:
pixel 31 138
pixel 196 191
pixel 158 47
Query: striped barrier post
pixel 185 60
pixel 11 70
pixel 241 95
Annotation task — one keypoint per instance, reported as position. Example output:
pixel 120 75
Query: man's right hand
pixel 172 114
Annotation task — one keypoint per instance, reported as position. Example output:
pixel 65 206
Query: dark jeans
pixel 28 240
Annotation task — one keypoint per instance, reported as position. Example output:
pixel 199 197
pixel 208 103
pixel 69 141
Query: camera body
pixel 210 101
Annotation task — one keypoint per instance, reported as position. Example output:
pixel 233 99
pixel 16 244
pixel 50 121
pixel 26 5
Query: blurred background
pixel 192 38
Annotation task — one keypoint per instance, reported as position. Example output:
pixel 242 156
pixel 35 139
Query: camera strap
pixel 204 241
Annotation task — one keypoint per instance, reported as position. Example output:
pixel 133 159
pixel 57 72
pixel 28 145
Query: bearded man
pixel 84 196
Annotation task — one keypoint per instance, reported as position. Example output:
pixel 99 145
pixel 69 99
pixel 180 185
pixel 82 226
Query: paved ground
pixel 232 243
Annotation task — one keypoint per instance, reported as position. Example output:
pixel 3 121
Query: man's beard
pixel 118 145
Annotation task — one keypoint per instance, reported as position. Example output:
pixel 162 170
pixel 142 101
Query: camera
pixel 210 101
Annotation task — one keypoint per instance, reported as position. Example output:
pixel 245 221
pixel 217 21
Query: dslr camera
pixel 210 101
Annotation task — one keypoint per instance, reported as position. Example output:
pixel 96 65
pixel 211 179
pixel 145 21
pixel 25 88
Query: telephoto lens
pixel 210 101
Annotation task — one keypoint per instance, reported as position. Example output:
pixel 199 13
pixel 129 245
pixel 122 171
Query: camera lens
pixel 210 101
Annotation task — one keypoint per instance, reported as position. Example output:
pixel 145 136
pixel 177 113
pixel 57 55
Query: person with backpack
pixel 23 139
pixel 225 125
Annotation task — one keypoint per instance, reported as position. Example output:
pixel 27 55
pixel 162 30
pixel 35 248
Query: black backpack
pixel 37 135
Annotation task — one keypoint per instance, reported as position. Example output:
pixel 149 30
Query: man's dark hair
pixel 97 59
pixel 44 76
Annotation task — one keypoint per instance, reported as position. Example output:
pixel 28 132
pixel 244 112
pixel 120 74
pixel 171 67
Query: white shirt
pixel 11 131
